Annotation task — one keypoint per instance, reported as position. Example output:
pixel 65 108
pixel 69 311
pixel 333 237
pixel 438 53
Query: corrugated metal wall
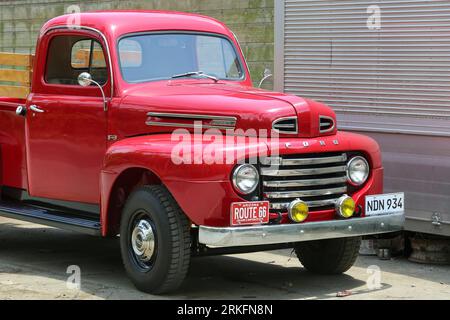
pixel 399 65
pixel 384 66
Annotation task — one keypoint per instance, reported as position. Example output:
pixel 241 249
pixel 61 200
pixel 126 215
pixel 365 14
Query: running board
pixel 52 218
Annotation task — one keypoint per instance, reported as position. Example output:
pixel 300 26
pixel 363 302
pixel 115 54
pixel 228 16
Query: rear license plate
pixel 385 204
pixel 246 213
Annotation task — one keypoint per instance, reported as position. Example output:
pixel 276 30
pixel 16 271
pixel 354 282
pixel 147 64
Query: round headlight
pixel 358 171
pixel 245 178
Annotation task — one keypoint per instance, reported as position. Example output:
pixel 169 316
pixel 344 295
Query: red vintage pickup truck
pixel 146 125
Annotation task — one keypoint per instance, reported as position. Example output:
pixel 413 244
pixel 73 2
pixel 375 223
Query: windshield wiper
pixel 195 73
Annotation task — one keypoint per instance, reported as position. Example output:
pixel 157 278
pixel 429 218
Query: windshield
pixel 153 57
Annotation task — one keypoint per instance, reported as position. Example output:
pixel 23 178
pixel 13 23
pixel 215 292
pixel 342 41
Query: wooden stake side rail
pixel 15 74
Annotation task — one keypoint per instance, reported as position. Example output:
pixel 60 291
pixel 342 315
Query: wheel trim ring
pixel 146 264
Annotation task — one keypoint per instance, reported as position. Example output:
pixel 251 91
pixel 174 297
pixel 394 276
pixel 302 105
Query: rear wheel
pixel 154 240
pixel 331 256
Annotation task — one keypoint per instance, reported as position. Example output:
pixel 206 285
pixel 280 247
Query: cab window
pixel 153 57
pixel 68 56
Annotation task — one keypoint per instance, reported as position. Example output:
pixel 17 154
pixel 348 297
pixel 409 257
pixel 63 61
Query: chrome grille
pixel 318 179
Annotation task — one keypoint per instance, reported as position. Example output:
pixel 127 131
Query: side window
pixel 82 53
pixel 68 56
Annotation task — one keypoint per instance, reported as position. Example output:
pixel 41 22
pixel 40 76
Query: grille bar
pixel 302 172
pixel 305 161
pixel 309 193
pixel 303 183
pixel 311 204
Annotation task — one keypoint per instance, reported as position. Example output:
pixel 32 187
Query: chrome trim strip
pixel 217 122
pixel 281 206
pixel 186 125
pixel 108 51
pixel 302 172
pixel 305 161
pixel 303 183
pixel 326 118
pixel 311 204
pixel 305 193
pixel 190 116
pixel 271 161
pixel 286 126
pixel 284 119
pixel 291 233
pixel 322 203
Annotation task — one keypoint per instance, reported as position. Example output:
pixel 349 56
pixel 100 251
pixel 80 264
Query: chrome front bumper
pixel 275 234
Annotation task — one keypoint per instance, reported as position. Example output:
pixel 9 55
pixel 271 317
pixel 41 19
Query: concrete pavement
pixel 34 261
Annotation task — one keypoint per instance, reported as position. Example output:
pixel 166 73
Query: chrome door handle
pixel 35 108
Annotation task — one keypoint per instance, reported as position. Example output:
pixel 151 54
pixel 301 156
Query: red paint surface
pixel 64 153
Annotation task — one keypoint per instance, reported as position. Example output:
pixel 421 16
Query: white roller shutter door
pixel 392 79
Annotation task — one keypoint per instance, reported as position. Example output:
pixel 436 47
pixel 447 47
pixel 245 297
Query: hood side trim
pixel 208 121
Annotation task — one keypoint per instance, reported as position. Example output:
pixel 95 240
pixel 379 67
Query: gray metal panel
pixel 392 83
pixel 419 166
pixel 401 70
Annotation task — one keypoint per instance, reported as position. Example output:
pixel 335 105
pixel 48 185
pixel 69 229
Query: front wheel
pixel 331 256
pixel 154 240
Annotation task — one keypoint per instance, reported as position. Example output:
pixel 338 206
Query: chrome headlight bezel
pixel 350 166
pixel 237 179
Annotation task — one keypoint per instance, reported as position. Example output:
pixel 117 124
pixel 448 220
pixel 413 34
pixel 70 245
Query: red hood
pixel 253 108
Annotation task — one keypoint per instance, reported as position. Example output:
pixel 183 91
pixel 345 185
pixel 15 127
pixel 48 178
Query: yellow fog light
pixel 345 207
pixel 298 211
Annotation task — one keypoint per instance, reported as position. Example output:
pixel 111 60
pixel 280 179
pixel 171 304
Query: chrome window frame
pixel 101 34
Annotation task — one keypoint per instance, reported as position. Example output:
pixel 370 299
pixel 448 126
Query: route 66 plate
pixel 385 204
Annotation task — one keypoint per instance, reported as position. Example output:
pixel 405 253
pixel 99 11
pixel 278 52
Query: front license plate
pixel 245 213
pixel 385 204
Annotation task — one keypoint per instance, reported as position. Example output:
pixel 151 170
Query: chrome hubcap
pixel 143 240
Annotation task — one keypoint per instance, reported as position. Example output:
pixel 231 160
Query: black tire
pixel 168 265
pixel 331 256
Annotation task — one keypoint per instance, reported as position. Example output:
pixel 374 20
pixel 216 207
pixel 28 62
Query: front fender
pixel 201 187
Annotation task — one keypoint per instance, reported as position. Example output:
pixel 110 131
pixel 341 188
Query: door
pixel 67 123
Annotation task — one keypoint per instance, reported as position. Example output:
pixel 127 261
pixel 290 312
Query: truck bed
pixel 15 75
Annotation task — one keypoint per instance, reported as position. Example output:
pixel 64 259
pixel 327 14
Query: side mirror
pixel 85 80
pixel 266 75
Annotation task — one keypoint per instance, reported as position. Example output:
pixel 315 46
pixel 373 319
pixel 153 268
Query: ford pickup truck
pixel 145 125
